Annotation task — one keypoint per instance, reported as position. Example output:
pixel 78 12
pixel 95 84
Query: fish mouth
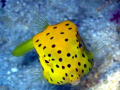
pixel 76 82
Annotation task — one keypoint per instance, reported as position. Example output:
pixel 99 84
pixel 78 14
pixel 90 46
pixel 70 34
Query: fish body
pixel 62 53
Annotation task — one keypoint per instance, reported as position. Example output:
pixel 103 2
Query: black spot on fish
pixel 47 34
pixel 76 69
pixel 79 63
pixel 59 51
pixel 63 67
pixel 57 66
pixel 82 71
pixel 68 54
pixel 71 75
pixel 46 61
pixel 69 28
pixel 75 55
pixel 39 45
pixel 66 74
pixel 44 47
pixel 51 79
pixel 37 40
pixel 83 55
pixel 53 59
pixel 72 57
pixel 54 27
pixel 58 83
pixel 69 65
pixel 52 70
pixel 66 39
pixel 89 60
pixel 63 78
pixel 77 47
pixel 51 38
pixel 67 24
pixel 49 55
pixel 61 81
pixel 61 32
pixel 80 45
pixel 53 45
pixel 60 59
pixel 85 65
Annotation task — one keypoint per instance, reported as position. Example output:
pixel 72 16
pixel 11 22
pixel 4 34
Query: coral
pixel 116 17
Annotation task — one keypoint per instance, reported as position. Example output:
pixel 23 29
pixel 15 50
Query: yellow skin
pixel 62 54
pixel 61 51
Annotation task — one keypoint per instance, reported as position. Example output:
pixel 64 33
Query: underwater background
pixel 97 22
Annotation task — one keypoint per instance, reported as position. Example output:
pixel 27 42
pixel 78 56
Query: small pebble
pixel 14 69
pixel 8 72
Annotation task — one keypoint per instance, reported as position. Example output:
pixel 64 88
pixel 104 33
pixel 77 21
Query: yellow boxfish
pixel 62 53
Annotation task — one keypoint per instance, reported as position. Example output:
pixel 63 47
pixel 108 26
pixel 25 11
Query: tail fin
pixel 23 48
pixel 40 23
